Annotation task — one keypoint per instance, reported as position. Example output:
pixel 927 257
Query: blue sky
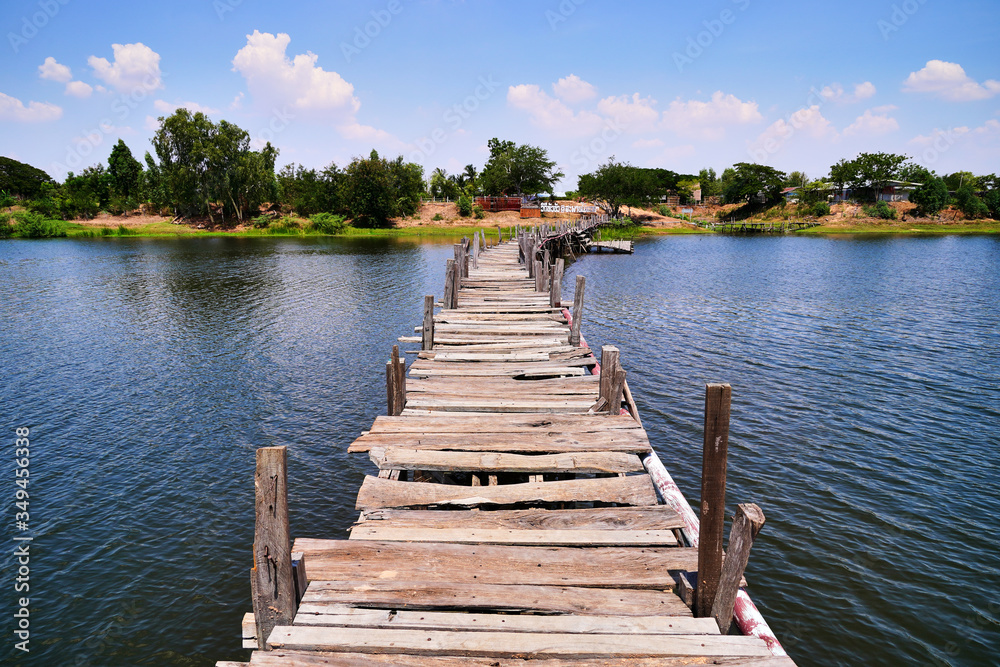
pixel 666 84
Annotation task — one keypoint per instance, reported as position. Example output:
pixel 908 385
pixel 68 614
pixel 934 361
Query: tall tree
pixel 514 169
pixel 932 195
pixel 710 186
pixel 21 180
pixel 615 184
pixel 796 179
pixel 754 183
pixel 126 176
pixel 868 174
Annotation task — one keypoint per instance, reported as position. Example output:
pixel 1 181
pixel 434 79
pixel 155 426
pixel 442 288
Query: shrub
pixel 969 204
pixel 437 217
pixel 992 201
pixel 664 210
pixel 464 206
pixel 327 223
pixel 6 226
pixel 6 199
pixel 930 197
pixel 261 222
pixel 32 225
pixel 880 210
pixel 125 231
pixel 820 209
pixel 478 212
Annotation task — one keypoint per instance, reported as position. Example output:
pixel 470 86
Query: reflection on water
pixel 865 421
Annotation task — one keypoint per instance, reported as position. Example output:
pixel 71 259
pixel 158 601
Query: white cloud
pixel 551 114
pixel 949 82
pixel 152 123
pixel 79 89
pixel 136 67
pixel 872 124
pixel 237 102
pixel 273 78
pixel 573 90
pixel 167 108
pixel 709 120
pixel 836 93
pixel 648 143
pixel 635 113
pixel 13 109
pixel 53 71
pixel 808 121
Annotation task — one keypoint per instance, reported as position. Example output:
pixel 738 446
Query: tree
pixel 962 178
pixel 842 173
pixel 932 195
pixel 992 201
pixel 443 186
pixel 796 179
pixel 868 174
pixel 518 169
pixel 969 204
pixel 710 186
pixel 754 183
pixel 407 182
pixel 20 179
pixel 614 185
pixel 126 176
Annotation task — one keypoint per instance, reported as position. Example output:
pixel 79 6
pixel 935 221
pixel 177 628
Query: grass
pixel 909 227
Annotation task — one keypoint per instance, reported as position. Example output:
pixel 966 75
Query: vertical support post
pixel 427 334
pixel 529 257
pixel 399 380
pixel 574 332
pixel 609 367
pixel 546 272
pixel 555 291
pixel 390 388
pixel 449 285
pixel 458 259
pixel 475 250
pixel 715 452
pixel 617 389
pixel 747 522
pixel 499 235
pixel 271 577
pixel 465 257
pixel 539 276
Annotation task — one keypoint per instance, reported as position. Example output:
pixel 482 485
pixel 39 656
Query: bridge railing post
pixel 747 522
pixel 715 451
pixel 555 291
pixel 272 580
pixel 427 332
pixel 574 332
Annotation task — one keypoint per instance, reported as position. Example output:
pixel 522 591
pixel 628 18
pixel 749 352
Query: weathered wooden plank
pixel 657 517
pixel 555 538
pixel 273 587
pixel 378 493
pixel 597 567
pixel 345 616
pixel 747 522
pixel 613 440
pixel 286 658
pixel 510 644
pixel 583 462
pixel 485 404
pixel 392 594
pixel 713 495
pixel 557 425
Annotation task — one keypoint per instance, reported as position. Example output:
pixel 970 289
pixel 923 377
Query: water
pixel 866 384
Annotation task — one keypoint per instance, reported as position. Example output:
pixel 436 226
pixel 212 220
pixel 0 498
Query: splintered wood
pixel 510 519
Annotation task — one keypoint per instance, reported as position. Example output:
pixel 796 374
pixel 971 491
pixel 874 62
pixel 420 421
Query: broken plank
pixel 287 658
pixel 657 517
pixel 395 458
pixel 555 538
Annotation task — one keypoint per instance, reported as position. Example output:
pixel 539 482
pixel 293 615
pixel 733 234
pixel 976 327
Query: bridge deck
pixel 508 521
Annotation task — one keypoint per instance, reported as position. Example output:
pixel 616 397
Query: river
pixel 865 423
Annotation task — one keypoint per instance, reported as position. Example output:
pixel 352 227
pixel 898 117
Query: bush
pixel 6 226
pixel 478 212
pixel 820 209
pixel 464 206
pixel 437 217
pixel 880 210
pixel 6 199
pixel 327 223
pixel 664 210
pixel 969 204
pixel 930 197
pixel 992 201
pixel 32 225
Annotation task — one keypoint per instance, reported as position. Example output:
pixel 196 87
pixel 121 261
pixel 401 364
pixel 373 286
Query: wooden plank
pixel 273 586
pixel 391 594
pixel 583 462
pixel 747 523
pixel 287 658
pixel 344 616
pixel 713 495
pixel 485 404
pixel 555 538
pixel 378 493
pixel 510 644
pixel 613 440
pixel 590 567
pixel 657 517
pixel 554 425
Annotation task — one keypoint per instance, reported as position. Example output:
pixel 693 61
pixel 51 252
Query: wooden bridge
pixel 519 515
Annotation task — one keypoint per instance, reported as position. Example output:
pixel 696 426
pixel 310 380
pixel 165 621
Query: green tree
pixel 842 173
pixel 754 184
pixel 962 178
pixel 20 179
pixel 796 179
pixel 407 182
pixel 969 204
pixel 869 173
pixel 615 184
pixel 520 170
pixel 368 191
pixel 443 186
pixel 710 186
pixel 126 177
pixel 932 195
pixel 992 201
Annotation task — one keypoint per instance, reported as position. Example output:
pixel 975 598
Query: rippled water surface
pixel 866 423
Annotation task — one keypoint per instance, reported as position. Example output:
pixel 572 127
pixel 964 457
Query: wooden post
pixel 272 579
pixel 574 332
pixel 609 368
pixel 475 250
pixel 458 259
pixel 555 291
pixel 529 257
pixel 399 381
pixel 427 335
pixel 465 257
pixel 617 388
pixel 546 272
pixel 747 523
pixel 449 285
pixel 539 276
pixel 390 388
pixel 713 495
pixel 499 235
